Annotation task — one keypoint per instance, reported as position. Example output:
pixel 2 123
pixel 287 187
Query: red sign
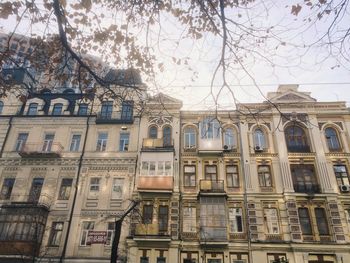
pixel 96 237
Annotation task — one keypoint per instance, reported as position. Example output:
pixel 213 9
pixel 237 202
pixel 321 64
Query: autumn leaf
pixel 296 9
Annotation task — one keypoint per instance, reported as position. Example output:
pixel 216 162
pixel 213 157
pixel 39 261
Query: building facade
pixel 268 182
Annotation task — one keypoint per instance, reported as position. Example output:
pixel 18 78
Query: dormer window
pixel 107 109
pixel 57 109
pixel 32 109
pixel 259 140
pixel 332 139
pixel 127 110
pixel 83 109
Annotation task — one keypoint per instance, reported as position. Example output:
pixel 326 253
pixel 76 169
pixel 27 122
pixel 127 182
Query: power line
pixel 268 84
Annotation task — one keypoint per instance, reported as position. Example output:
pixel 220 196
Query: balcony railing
pixel 298 148
pixel 149 230
pixel 214 186
pixel 42 200
pixel 213 233
pixel 156 183
pixel 307 188
pixel 157 144
pixel 114 117
pixel 41 150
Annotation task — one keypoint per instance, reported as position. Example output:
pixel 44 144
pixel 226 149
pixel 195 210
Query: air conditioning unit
pixel 344 188
pixel 258 148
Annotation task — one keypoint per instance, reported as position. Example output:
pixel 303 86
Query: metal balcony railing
pixel 298 148
pixel 114 117
pixel 42 200
pixel 149 230
pixel 215 186
pixel 307 188
pixel 160 144
pixel 46 149
pixel 211 233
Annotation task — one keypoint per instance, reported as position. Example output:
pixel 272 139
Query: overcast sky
pixel 313 70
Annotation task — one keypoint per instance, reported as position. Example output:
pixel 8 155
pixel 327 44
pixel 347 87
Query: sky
pixel 326 77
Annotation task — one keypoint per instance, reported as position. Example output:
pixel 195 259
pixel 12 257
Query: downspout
pixel 6 136
pixel 76 191
pixel 245 199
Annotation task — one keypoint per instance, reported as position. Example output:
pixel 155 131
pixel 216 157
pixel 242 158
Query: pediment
pixel 288 94
pixel 162 98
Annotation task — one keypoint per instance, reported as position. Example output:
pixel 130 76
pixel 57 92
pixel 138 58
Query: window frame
pixel 65 189
pixel 49 137
pixel 262 176
pixel 163 219
pixel 1 107
pixel 233 185
pixel 210 174
pixel 190 175
pixel 306 220
pixel 110 233
pixel 86 226
pixel 321 222
pixel 101 143
pixel 121 186
pixel 296 142
pixel 189 215
pixel 55 234
pixel 127 110
pixel 33 106
pixel 21 142
pixel 330 139
pixel 75 143
pixel 153 132
pixel 259 139
pixel 341 175
pixel 230 139
pixel 83 109
pixel 167 136
pixel 271 222
pixel 57 109
pixel 147 214
pixel 124 141
pixel 301 183
pixel 233 222
pixel 8 188
pixel 189 136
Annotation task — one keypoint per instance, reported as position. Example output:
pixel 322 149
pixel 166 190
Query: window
pixel 167 136
pixel 232 176
pixel 259 140
pixel 213 218
pixel 110 233
pixel 321 220
pixel 264 175
pixel 230 139
pixel 117 188
pixel 57 109
pixel 127 110
pixel 161 260
pixel 106 109
pixel 160 168
pixel 271 220
pixel 66 186
pixel 210 129
pixel 304 178
pixel 56 234
pixel 296 139
pixel 21 141
pixel 75 143
pixel 6 188
pixel 35 190
pixel 147 214
pixel 235 220
pixel 144 260
pixel 341 174
pixel 153 132
pixel 102 141
pixel 1 107
pixel 163 215
pixel 332 139
pixel 48 141
pixel 190 137
pixel 210 173
pixel 86 227
pixel 189 175
pixel 83 109
pixel 32 109
pixel 94 184
pixel 305 222
pixel 189 219
pixel 124 142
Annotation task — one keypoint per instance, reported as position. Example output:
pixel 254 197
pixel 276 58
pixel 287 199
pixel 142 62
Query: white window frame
pixel 271 221
pixel 85 228
pixel 116 186
pixel 95 186
pixel 101 144
pixel 161 168
pixel 124 142
pixel 233 219
pixel 189 219
pixel 20 143
pixel 188 143
pixel 75 144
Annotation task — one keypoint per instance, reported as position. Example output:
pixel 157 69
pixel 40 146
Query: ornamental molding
pixel 160 120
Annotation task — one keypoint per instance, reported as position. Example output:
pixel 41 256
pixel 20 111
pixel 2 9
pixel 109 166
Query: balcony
pixel 48 150
pixel 298 148
pixel 211 186
pixel 307 188
pixel 213 236
pixel 157 145
pixel 150 232
pixel 32 200
pixel 115 117
pixel 210 146
pixel 155 183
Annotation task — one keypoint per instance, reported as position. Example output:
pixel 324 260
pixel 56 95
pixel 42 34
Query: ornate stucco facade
pixel 266 182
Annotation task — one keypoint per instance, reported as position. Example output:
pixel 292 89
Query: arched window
pixel 190 137
pixel 230 139
pixel 153 132
pixel 1 106
pixel 259 140
pixel 332 139
pixel 32 109
pixel 296 139
pixel 57 109
pixel 167 136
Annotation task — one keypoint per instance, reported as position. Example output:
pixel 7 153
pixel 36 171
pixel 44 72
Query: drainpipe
pixel 245 198
pixel 6 136
pixel 63 254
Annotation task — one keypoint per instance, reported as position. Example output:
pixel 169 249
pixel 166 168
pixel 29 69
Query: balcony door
pixel 35 190
pixel 211 173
